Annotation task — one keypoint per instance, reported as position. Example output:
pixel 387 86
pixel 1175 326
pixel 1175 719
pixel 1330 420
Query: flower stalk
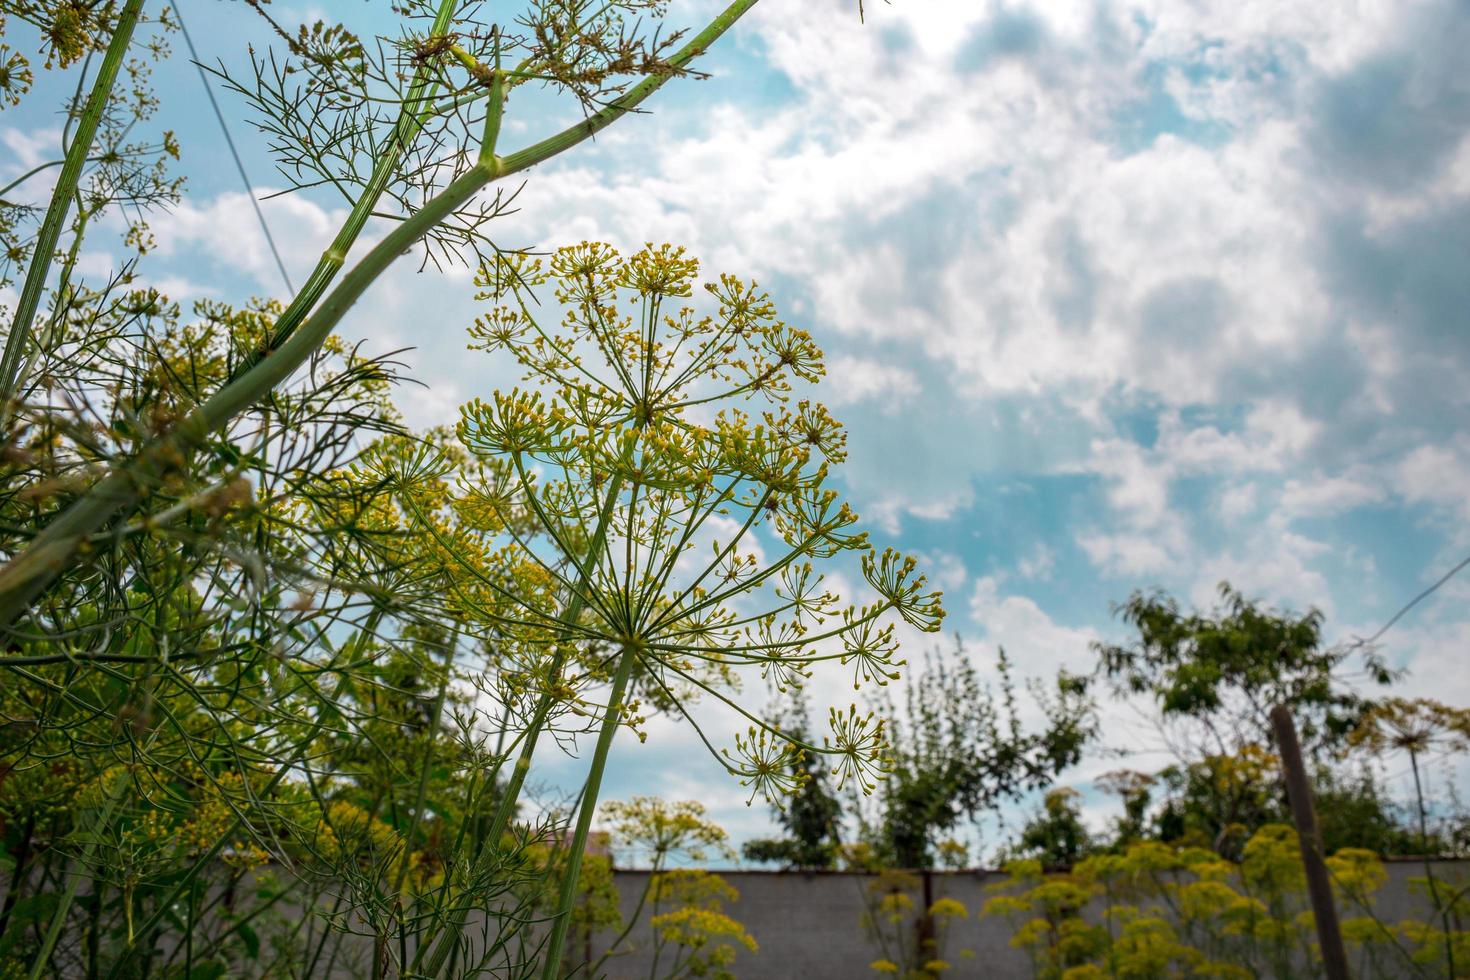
pixel 611 721
pixel 61 199
pixel 130 482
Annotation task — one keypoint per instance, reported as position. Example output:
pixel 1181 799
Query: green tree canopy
pixel 1225 669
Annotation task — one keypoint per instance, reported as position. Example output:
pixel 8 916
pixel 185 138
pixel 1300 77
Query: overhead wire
pixel 235 153
pixel 1411 604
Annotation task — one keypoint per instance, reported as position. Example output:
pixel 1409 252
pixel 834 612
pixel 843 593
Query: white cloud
pixel 1438 475
pixel 1323 496
pixel 854 379
pixel 945 569
pixel 224 230
pixel 1038 565
pixel 1238 500
pixel 1271 564
pixel 1035 643
pixel 29 149
pixel 1133 555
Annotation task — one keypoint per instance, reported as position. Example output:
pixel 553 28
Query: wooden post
pixel 928 938
pixel 1319 887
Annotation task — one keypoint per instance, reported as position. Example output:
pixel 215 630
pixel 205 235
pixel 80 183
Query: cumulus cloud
pixel 1037 644
pixel 1196 271
pixel 225 230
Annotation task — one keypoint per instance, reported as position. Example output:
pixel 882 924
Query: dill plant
pixel 406 128
pixel 687 915
pixel 654 468
pixel 1152 909
pixel 241 613
pixel 1418 728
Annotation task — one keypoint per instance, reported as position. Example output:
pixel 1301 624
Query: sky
pixel 1114 295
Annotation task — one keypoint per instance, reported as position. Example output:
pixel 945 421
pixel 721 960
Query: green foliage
pixel 959 750
pixel 1213 678
pixel 1155 911
pixel 1227 668
pixel 1354 810
pixel 263 698
pixel 1217 801
pixel 1055 835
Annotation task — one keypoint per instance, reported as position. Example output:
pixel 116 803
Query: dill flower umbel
pixel 15 76
pixel 632 446
pixel 651 467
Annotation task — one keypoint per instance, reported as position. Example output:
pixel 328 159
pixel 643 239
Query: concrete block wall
pixel 808 924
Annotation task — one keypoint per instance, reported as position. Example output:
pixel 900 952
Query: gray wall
pixel 808 925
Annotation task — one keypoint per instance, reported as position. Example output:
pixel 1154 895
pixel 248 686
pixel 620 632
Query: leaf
pixel 249 940
pixel 33 908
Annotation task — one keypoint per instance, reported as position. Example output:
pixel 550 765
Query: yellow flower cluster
pixel 628 449
pixel 1156 910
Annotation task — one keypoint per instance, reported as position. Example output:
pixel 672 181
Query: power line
pixel 1412 603
pixel 239 164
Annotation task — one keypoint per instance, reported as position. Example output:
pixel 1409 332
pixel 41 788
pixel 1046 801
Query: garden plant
pixel 276 667
pixel 280 678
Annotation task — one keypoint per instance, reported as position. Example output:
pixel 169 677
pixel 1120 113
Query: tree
pixel 1135 791
pixel 1055 834
pixel 1224 670
pixel 1213 678
pixel 960 750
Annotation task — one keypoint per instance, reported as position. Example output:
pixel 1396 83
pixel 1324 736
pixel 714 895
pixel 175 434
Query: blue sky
pixel 1114 295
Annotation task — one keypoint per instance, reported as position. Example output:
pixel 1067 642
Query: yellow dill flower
pixel 949 908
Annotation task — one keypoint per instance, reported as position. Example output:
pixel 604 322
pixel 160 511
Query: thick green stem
pixel 61 198
pixel 576 602
pixel 415 112
pixel 610 723
pixel 131 481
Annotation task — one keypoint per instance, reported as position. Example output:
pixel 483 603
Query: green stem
pixel 58 919
pixel 56 323
pixel 61 197
pixel 658 939
pixel 425 767
pixel 131 481
pixel 1439 906
pixel 610 723
pixel 576 602
pixel 612 947
pixel 412 116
